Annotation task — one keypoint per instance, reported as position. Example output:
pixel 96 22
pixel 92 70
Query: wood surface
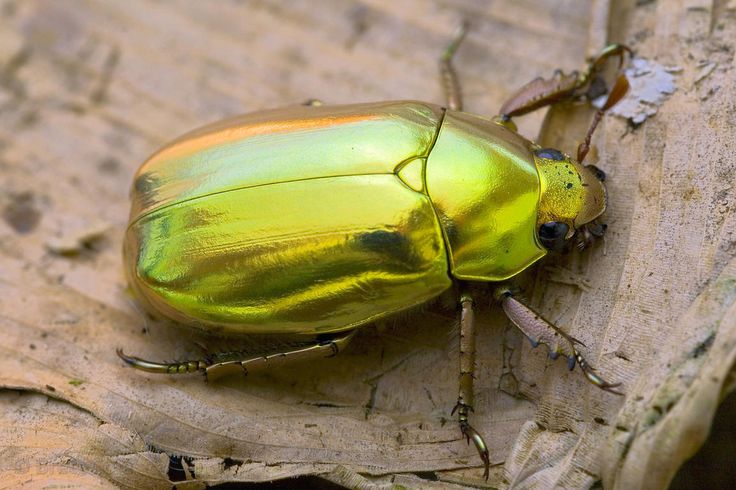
pixel 88 89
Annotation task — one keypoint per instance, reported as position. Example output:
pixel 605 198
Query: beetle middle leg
pixel 467 370
pixel 448 75
pixel 224 364
pixel 541 331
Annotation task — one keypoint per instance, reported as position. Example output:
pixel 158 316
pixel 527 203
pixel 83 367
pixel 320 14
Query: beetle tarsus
pixel 182 367
pixel 472 435
pixel 590 375
pixel 541 331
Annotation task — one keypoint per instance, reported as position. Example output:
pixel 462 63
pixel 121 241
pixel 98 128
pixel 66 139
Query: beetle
pixel 315 220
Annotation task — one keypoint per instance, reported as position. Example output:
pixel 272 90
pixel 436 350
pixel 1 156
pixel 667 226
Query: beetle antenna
pixel 619 90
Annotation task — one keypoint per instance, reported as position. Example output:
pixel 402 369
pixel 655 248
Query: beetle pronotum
pixel 315 220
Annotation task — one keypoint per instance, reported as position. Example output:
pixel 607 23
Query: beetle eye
pixel 551 154
pixel 552 234
pixel 599 174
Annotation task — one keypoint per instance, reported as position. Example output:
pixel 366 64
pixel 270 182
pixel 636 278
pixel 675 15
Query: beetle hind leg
pixel 464 404
pixel 541 331
pixel 226 363
pixel 246 364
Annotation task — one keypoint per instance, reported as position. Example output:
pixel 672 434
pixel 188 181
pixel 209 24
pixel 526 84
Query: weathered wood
pixel 88 89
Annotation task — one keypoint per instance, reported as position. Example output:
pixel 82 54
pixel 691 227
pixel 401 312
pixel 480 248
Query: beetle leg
pixel 213 369
pixel 619 90
pixel 247 365
pixel 542 92
pixel 448 75
pixel 467 369
pixel 164 367
pixel 541 331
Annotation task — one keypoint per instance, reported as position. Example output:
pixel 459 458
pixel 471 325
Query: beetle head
pixel 572 197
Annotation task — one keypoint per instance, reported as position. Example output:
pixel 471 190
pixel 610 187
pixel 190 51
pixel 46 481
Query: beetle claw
pixel 591 376
pixel 472 435
pixel 480 445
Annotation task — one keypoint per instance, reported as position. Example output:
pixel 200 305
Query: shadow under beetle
pixel 315 220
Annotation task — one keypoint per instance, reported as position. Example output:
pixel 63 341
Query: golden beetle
pixel 315 220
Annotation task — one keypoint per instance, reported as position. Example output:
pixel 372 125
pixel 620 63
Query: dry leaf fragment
pixel 651 84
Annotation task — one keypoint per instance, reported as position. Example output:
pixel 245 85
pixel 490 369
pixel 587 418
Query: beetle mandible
pixel 315 220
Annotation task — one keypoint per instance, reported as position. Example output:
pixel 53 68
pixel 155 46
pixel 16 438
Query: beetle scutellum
pixel 315 220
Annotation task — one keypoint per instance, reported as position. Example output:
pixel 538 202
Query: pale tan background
pixel 89 89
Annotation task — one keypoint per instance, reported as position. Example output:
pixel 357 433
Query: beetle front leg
pixel 467 372
pixel 541 331
pixel 561 87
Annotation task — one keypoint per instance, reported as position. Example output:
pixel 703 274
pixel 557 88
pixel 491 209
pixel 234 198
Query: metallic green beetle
pixel 315 220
